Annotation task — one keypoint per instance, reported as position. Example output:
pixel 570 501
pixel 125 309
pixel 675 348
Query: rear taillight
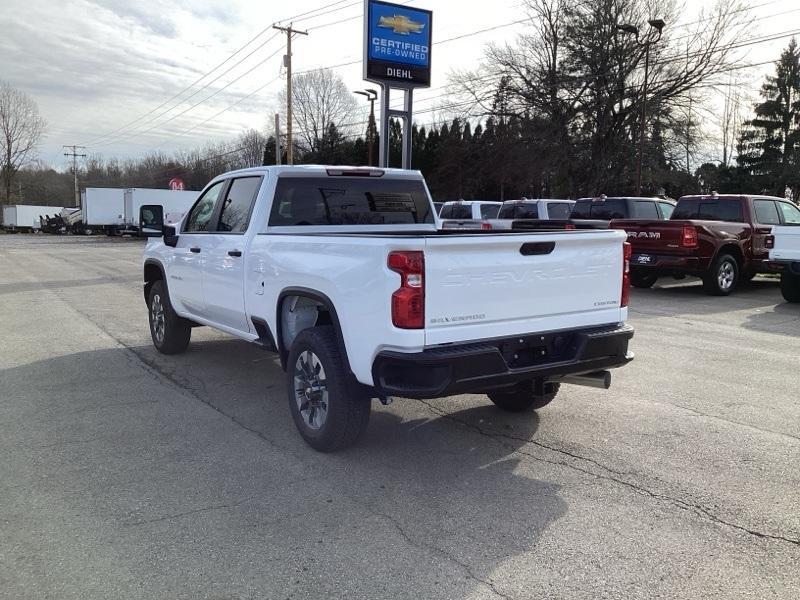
pixel 569 226
pixel 408 302
pixel 626 275
pixel 486 226
pixel 769 242
pixel 689 237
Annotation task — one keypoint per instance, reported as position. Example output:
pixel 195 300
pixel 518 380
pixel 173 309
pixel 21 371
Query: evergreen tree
pixel 770 143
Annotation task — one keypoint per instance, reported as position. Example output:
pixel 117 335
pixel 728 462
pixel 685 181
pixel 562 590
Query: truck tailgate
pixel 787 243
pixel 488 286
pixel 660 237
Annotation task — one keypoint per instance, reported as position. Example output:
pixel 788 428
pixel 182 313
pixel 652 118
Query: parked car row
pixel 723 239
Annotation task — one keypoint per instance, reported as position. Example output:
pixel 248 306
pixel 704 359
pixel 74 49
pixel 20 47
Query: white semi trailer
pixel 26 217
pixel 174 204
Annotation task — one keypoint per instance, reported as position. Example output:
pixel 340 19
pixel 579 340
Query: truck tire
pixel 328 409
pixel 643 279
pixel 170 333
pixel 521 397
pixel 723 276
pixel 790 287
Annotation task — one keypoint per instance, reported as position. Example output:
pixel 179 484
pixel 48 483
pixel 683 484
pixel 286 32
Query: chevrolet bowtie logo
pixel 401 24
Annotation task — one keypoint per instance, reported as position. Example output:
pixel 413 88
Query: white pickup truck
pixel 785 242
pixel 543 209
pixel 343 273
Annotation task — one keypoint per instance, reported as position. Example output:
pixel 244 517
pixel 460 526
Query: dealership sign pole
pixel 397 55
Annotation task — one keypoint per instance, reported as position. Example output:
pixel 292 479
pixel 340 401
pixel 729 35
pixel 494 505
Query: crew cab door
pixel 185 271
pixel 224 254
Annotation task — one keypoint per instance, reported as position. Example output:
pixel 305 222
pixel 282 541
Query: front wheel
pixel 643 279
pixel 521 397
pixel 790 287
pixel 170 333
pixel 723 276
pixel 328 409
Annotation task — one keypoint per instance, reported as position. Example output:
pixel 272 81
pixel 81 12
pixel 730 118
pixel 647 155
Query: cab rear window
pixel 456 211
pixel 606 210
pixel 709 210
pixel 518 211
pixel 349 201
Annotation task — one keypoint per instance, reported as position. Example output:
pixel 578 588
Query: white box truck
pixel 173 202
pixel 25 217
pixel 103 209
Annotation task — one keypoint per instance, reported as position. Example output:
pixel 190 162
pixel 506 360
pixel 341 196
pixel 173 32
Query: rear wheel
pixel 521 397
pixel 170 333
pixel 723 276
pixel 643 279
pixel 790 287
pixel 328 409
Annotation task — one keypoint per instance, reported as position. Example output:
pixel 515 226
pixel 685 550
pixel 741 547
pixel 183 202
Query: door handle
pixel 195 249
pixel 234 252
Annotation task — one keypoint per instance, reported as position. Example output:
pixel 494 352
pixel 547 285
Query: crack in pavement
pixel 441 552
pixel 190 512
pixel 723 419
pixel 677 502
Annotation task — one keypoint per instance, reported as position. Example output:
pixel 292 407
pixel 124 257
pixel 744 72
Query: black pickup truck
pixel 597 213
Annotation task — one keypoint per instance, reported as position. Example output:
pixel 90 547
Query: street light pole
pixel 371 96
pixel 658 25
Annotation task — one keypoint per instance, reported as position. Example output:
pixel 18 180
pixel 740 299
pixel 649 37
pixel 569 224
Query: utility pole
pixel 277 139
pixel 658 26
pixel 287 60
pixel 371 96
pixel 75 156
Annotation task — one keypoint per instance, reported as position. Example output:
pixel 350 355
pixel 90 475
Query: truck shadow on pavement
pixel 448 499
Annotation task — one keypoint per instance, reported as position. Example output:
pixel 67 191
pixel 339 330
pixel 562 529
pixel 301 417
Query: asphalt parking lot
pixel 127 474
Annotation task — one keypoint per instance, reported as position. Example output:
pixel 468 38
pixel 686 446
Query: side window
pixel 506 212
pixel 235 214
pixel 489 211
pixel 791 214
pixel 766 212
pixel 558 210
pixel 645 209
pixel 446 212
pixel 666 209
pixel 200 215
pixel 527 211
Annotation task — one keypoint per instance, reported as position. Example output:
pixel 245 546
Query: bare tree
pixel 731 120
pixel 21 129
pixel 582 78
pixel 319 98
pixel 252 144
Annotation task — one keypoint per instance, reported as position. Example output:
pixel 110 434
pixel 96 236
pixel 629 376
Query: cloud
pixel 151 17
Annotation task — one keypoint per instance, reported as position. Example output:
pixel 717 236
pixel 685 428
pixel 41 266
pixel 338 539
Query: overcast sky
pixel 94 66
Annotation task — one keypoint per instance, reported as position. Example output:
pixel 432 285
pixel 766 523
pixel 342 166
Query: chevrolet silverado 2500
pixel 343 273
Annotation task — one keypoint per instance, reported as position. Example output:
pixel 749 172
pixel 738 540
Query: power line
pixel 300 16
pixel 193 106
pixel 133 131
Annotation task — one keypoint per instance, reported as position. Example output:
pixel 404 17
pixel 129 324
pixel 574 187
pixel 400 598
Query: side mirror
pixel 170 236
pixel 151 220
